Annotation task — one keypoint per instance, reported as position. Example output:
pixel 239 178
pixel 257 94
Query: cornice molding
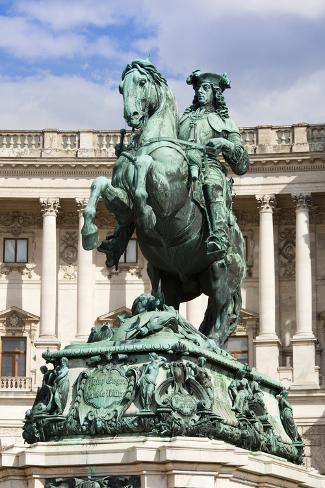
pixel 91 167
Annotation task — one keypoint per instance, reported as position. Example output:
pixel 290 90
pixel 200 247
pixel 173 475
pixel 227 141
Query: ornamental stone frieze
pixel 67 219
pixel 246 218
pixel 49 206
pixel 69 247
pixel 16 222
pixel 26 270
pixel 68 255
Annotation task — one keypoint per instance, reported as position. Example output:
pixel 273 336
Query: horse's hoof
pixel 90 241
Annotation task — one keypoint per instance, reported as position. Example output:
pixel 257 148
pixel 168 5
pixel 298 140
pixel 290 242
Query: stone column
pixel 267 342
pixel 195 310
pixel 48 334
pixel 50 207
pixel 85 283
pixel 303 342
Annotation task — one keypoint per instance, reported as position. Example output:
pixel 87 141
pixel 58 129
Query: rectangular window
pixel 130 255
pixel 13 356
pixel 15 250
pixel 238 348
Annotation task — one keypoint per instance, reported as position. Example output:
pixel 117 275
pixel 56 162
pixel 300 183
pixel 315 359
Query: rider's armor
pixel 199 127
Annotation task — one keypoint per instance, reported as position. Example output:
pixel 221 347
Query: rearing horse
pixel 151 190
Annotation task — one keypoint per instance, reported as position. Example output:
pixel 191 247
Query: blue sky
pixel 61 60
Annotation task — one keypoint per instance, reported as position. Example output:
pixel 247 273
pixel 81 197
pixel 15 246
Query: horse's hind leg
pixel 215 285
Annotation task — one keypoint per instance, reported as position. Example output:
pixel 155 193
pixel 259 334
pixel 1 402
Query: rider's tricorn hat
pixel 196 78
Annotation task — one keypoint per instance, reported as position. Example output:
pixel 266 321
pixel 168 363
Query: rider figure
pixel 206 122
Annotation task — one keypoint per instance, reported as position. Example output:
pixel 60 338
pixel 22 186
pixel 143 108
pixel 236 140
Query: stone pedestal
pixel 267 355
pixel 305 373
pixel 150 463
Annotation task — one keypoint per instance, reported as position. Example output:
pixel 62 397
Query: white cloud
pixel 26 40
pixel 302 101
pixel 71 14
pixel 59 102
pixel 71 103
pixel 60 14
pixel 214 10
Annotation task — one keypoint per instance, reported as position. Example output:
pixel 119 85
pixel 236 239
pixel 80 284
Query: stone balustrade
pixel 86 143
pixel 16 383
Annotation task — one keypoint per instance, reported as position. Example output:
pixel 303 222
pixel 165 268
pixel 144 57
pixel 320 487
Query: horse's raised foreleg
pixel 115 199
pixel 146 216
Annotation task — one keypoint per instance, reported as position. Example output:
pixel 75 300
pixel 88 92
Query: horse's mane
pixel 144 66
pixel 165 96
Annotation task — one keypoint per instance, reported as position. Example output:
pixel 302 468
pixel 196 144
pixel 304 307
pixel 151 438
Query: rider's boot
pixel 114 246
pixel 217 243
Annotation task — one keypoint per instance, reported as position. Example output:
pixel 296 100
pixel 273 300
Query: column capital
pixel 49 206
pixel 302 200
pixel 81 205
pixel 266 202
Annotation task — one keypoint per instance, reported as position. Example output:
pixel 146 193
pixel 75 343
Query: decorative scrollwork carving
pixel 69 247
pixel 287 253
pixel 49 206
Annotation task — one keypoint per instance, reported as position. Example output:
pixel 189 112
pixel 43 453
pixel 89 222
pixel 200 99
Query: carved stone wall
pixel 314 439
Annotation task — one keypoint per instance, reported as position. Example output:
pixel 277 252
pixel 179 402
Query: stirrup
pixel 213 248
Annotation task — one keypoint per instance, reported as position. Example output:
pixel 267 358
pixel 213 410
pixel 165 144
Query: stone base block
pixel 267 355
pixel 305 373
pixel 178 462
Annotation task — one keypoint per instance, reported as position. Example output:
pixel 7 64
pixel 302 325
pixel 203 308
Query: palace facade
pixel 52 291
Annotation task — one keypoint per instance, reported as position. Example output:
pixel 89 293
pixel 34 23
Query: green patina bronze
pixel 170 186
pixel 154 374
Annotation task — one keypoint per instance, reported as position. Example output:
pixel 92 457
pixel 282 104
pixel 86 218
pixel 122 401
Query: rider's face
pixel 205 94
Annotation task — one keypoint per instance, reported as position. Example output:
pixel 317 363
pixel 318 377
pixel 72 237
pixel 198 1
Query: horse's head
pixel 141 89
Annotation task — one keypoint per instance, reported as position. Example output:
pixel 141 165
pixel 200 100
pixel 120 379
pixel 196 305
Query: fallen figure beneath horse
pixel 169 186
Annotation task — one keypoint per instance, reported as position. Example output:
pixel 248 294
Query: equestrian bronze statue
pixel 170 186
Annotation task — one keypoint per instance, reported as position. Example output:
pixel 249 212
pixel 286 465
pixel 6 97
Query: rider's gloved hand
pixel 218 145
pixel 119 148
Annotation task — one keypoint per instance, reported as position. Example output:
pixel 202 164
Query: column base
pixel 80 338
pixel 267 355
pixel 48 340
pixel 305 371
